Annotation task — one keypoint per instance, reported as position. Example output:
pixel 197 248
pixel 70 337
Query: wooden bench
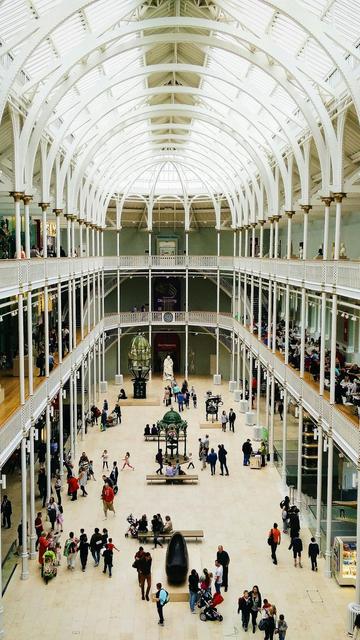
pixel 171 479
pixel 193 535
pixel 148 438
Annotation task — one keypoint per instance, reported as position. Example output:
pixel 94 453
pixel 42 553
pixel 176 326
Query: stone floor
pixel 236 511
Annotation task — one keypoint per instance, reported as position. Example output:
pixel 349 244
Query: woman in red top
pixel 73 487
pixel 43 545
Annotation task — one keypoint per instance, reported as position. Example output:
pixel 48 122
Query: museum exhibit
pixel 179 319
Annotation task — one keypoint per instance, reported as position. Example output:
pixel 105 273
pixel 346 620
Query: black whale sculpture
pixel 177 559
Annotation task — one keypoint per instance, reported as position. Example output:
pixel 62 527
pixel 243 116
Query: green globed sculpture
pixel 139 364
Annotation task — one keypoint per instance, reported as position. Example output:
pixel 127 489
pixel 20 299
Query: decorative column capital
pixel 261 222
pixel 306 207
pixel 81 221
pixel 339 196
pixel 27 199
pixel 254 225
pixel 276 217
pixel 270 219
pixel 57 212
pixel 44 206
pixel 17 195
pixel 289 214
pixel 327 200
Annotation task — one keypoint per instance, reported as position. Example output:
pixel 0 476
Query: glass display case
pixel 344 560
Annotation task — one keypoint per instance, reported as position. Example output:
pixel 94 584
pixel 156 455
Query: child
pixel 126 462
pixel 194 397
pixel 314 551
pixel 191 464
pixel 282 627
pixel 58 553
pixel 91 470
pixel 105 458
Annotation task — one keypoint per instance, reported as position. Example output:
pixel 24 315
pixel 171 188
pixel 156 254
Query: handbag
pixel 262 624
pixel 270 539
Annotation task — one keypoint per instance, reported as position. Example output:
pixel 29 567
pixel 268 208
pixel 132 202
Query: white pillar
pixel 82 333
pixel 44 206
pixel 59 322
pixel 61 430
pixel 46 329
pixel 75 412
pixel 118 303
pixel 68 236
pixel 27 200
pixel 217 304
pixel 289 215
pixel 73 244
pixel 70 315
pixel 48 451
pixel 71 412
pixel 299 457
pixel 287 321
pixel 258 392
pixel 187 304
pixel 74 311
pixel 271 238
pixel 261 239
pixel 24 551
pixel 17 195
pixel 30 342
pixel 267 401
pixel 306 208
pixel 284 437
pixel 357 584
pixel 21 348
pixel 272 411
pixel 302 332
pixel 333 348
pixel 274 316
pixel 319 481
pixel 33 536
pixel 58 213
pixel 338 200
pixel 269 332
pixel 276 236
pixel 322 342
pixel 329 506
pixel 327 202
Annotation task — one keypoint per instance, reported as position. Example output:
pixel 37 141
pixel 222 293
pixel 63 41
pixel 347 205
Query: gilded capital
pixel 327 200
pixel 306 207
pixel 289 214
pixel 44 206
pixel 17 195
pixel 338 197
pixel 27 199
pixel 58 212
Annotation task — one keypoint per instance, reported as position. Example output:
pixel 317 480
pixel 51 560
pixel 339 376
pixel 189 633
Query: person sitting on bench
pixel 154 430
pixel 170 471
pixel 147 430
pixel 168 527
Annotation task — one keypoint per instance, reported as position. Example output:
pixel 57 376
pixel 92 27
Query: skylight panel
pixel 345 16
pixel 287 34
pixel 69 34
pixel 15 16
pixel 316 59
pixel 41 59
pixel 253 13
pixel 43 6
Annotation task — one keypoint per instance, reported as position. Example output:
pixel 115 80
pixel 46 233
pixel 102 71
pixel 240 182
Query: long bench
pixel 162 438
pixel 193 535
pixel 150 479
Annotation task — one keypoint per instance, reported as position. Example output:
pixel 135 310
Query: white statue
pixel 342 251
pixel 168 369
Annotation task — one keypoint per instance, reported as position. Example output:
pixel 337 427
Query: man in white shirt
pixel 218 576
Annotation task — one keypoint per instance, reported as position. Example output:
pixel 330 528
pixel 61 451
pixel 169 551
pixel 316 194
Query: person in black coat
pixel 42 482
pixel 223 557
pixel 222 453
pixel 294 522
pixel 314 551
pixel 6 510
pixel 83 549
pixel 245 606
pixel 297 546
pixel 232 418
pixel 247 451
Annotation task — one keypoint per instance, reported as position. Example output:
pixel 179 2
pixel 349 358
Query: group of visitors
pixel 228 418
pixel 181 395
pixel 209 456
pixel 251 605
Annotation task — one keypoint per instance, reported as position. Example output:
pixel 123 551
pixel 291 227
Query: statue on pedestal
pixel 168 369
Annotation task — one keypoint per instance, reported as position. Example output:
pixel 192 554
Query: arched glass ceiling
pixel 149 95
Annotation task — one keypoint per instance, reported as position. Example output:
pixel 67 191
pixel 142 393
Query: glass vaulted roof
pixel 176 96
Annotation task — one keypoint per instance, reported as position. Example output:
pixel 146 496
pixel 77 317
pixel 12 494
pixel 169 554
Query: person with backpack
pixel 297 546
pixel 70 550
pixel 161 599
pixel 160 460
pixel 314 552
pixel 143 565
pixel 274 539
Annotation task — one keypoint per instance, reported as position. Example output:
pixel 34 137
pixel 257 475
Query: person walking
pixel 157 526
pixel 245 605
pixel 144 573
pixel 297 546
pixel 274 539
pixel 203 455
pixel 43 545
pixel 70 550
pixel 52 511
pixel 107 497
pixel 127 462
pixel 103 420
pixel 232 418
pixel 193 589
pixel 114 474
pixel 270 618
pixel 6 511
pixel 247 451
pixel 105 459
pixel 83 476
pixel 108 556
pixel 313 552
pixel 218 576
pixel 39 528
pixel 58 487
pixel 222 453
pixel 42 482
pixel 280 408
pixel 83 549
pixel 160 460
pixel 138 555
pixel 224 420
pixel 223 557
pixel 282 627
pixel 73 487
pixel 161 598
pixel 212 460
pixel 95 545
pixel 255 596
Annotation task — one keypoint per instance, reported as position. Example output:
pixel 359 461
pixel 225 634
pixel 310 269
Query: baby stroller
pixel 49 566
pixel 133 527
pixel 208 605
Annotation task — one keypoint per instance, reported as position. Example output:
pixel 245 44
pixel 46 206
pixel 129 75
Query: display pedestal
pixel 232 385
pixel 257 433
pixel 237 395
pixel 139 389
pixel 217 378
pixel 119 379
pixel 353 610
pixel 243 406
pixel 103 386
pixel 249 418
pixel 210 425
